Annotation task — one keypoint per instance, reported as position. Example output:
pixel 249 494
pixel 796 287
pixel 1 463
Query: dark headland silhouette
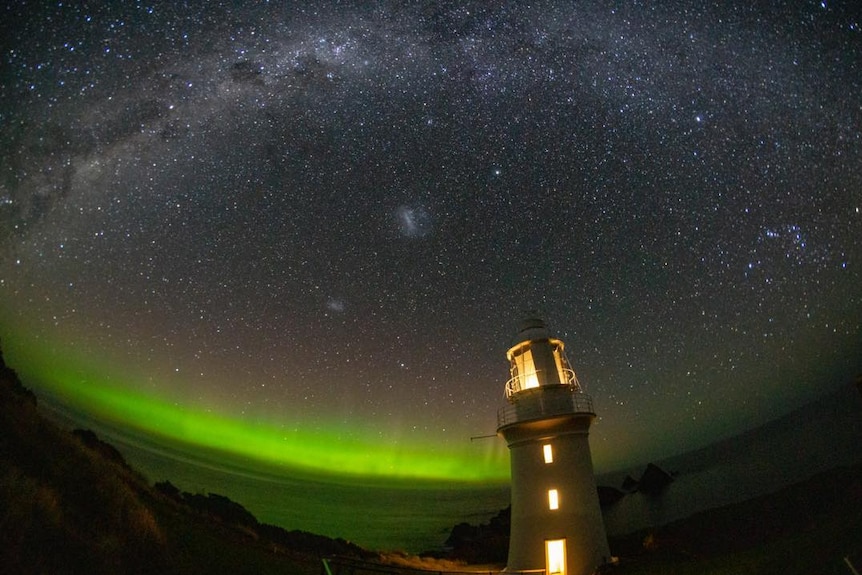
pixel 69 503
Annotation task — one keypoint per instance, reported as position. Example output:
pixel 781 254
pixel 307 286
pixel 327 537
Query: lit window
pixel 555 553
pixel 549 453
pixel 525 369
pixel 528 369
pixel 553 499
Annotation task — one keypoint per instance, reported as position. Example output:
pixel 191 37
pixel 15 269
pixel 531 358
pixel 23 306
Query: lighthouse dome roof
pixel 532 328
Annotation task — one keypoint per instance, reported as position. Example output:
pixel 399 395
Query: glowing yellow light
pixel 549 453
pixel 523 368
pixel 558 361
pixel 555 553
pixel 528 370
pixel 553 499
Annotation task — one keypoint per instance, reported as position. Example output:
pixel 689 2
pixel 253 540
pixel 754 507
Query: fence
pixel 542 402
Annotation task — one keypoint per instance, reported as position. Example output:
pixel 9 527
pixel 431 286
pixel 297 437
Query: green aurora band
pixel 335 451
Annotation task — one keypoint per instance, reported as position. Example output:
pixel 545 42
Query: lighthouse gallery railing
pixel 544 401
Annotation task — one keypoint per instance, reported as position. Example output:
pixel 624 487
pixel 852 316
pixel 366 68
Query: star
pixel 302 201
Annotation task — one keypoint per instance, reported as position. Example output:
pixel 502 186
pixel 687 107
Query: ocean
pixel 412 516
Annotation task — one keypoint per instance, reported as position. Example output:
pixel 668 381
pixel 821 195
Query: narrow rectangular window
pixel 553 499
pixel 549 453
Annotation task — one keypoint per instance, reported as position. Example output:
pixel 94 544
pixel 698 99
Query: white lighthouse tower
pixel 557 524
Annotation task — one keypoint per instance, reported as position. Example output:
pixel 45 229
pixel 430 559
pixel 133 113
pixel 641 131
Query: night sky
pixel 306 233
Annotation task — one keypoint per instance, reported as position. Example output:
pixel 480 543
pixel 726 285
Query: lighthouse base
pixel 557 525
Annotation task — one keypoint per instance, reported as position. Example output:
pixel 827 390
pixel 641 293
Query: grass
pixel 70 504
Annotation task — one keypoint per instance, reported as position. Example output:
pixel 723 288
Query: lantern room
pixel 537 360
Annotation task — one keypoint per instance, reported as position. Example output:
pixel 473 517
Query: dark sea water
pixel 822 435
pixel 399 515
pixel 413 516
pixel 385 515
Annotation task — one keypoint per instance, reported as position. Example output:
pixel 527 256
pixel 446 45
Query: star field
pixel 330 215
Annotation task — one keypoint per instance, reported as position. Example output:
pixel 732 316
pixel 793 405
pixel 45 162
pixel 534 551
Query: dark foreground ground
pixel 70 504
pixel 809 527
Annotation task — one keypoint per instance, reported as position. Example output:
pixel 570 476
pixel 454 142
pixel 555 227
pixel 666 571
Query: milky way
pixel 328 220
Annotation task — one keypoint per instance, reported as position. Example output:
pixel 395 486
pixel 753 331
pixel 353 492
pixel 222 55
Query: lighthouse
pixel 557 524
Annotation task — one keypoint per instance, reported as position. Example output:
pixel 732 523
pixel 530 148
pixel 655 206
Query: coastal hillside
pixel 70 504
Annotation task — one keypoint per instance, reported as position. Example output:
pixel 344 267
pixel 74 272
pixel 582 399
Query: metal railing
pixel 545 401
pixel 519 382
